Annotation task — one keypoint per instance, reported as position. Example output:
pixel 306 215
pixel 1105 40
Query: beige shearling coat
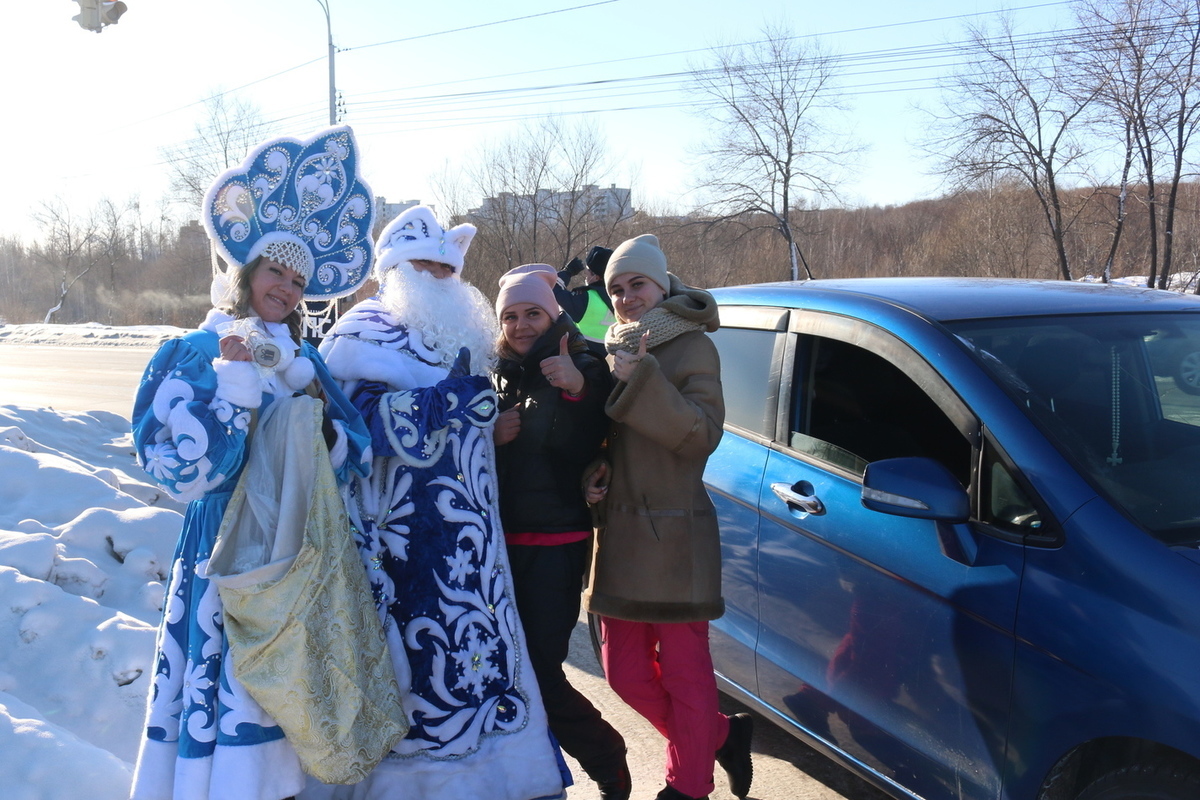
pixel 658 557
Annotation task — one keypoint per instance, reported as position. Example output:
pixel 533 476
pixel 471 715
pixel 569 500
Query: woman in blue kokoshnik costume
pixel 293 220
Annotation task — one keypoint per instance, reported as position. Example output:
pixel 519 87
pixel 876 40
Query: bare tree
pixel 14 261
pixel 580 158
pixel 1011 112
pixel 229 129
pixel 540 196
pixel 1140 56
pixel 68 249
pixel 513 178
pixel 114 243
pixel 772 106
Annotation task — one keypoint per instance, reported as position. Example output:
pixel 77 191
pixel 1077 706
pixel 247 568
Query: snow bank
pixel 85 543
pixel 88 333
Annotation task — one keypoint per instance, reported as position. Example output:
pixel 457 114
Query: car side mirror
pixel 915 487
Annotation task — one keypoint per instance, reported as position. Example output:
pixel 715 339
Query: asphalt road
pixel 84 378
pixel 106 377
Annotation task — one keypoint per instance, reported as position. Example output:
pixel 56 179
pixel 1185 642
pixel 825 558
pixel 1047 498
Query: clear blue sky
pixel 88 114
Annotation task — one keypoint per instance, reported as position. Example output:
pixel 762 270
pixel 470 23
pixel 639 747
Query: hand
pixel 561 371
pixel 574 267
pixel 461 367
pixel 508 425
pixel 624 362
pixel 596 488
pixel 233 348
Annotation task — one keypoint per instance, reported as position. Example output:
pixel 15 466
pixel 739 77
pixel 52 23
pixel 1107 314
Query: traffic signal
pixel 111 11
pixel 95 14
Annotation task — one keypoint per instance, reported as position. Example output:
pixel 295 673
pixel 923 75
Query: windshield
pixel 1120 395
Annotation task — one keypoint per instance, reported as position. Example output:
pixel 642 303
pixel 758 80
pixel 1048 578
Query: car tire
pixel 1166 779
pixel 1187 372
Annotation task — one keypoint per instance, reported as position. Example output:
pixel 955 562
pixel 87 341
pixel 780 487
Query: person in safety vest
pixel 588 305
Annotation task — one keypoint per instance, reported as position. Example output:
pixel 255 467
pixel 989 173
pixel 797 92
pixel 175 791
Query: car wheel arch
pixel 1089 762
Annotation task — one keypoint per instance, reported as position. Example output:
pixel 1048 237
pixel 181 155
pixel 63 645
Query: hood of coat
pixel 694 305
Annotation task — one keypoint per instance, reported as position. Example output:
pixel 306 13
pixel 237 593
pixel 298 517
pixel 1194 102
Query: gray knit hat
pixel 641 255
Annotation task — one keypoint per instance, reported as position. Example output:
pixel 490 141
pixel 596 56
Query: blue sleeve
pixel 358 457
pixel 187 439
pixel 412 424
pixel 574 303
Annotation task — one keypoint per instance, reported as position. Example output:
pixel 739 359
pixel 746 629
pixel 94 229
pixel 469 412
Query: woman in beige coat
pixel 656 572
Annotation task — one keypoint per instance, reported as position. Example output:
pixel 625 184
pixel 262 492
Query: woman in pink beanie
pixel 552 391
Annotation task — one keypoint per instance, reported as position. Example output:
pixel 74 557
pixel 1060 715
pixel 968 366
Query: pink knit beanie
pixel 529 283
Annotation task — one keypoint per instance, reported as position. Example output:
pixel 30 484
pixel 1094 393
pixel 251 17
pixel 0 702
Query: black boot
pixel 734 755
pixel 616 784
pixel 669 792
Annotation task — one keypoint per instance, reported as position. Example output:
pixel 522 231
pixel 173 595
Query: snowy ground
pixel 89 333
pixel 85 541
pixel 84 548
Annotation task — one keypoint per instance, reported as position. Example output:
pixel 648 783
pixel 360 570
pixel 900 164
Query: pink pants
pixel 664 672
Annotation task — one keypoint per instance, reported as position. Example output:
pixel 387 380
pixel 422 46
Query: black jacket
pixel 541 471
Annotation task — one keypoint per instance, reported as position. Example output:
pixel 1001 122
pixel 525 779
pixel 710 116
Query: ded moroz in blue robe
pixel 431 541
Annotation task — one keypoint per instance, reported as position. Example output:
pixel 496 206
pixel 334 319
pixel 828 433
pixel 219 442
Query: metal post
pixel 332 90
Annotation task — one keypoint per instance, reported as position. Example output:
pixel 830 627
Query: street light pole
pixel 320 315
pixel 332 90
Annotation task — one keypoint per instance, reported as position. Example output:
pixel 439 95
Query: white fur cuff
pixel 238 383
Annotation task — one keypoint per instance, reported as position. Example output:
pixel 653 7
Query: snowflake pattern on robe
pixel 428 531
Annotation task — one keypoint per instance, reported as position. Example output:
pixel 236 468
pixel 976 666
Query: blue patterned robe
pixel 205 736
pixel 429 533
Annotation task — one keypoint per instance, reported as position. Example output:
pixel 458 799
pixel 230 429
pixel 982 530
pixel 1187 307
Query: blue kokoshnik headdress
pixel 300 203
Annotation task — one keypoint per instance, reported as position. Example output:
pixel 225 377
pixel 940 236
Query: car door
pixel 751 345
pixel 888 637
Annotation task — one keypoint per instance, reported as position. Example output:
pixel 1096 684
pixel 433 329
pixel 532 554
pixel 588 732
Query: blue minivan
pixel 960 524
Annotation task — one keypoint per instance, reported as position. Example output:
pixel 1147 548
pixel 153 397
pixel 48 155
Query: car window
pixel 1119 394
pixel 1004 503
pixel 851 406
pixel 748 357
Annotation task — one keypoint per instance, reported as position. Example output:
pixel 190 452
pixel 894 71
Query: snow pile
pixel 85 543
pixel 88 333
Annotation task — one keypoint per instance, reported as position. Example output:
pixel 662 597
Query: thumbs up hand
pixel 561 371
pixel 624 362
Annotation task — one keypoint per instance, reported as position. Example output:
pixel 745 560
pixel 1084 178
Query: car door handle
pixel 804 502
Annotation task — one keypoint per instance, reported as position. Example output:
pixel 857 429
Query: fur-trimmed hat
pixel 529 283
pixel 301 203
pixel 641 255
pixel 415 235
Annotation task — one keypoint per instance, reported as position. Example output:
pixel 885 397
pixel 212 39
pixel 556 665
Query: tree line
pixel 1065 154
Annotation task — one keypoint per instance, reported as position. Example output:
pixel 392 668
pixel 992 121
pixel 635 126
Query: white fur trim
pixel 213 319
pixel 341 447
pixel 298 374
pixel 270 769
pixel 352 359
pixel 238 383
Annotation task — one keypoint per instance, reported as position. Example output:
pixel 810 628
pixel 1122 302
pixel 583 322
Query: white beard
pixel 447 313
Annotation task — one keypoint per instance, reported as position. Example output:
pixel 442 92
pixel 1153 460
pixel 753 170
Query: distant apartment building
pixel 192 236
pixel 611 204
pixel 385 212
